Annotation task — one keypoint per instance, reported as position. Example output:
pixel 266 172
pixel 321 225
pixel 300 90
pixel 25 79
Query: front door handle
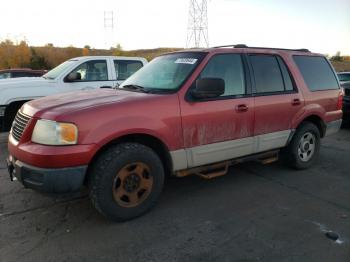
pixel 296 102
pixel 242 108
pixel 106 87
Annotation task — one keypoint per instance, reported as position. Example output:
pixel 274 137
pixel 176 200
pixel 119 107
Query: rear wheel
pixel 126 181
pixel 304 147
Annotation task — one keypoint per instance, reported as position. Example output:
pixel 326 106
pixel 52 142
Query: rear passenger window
pixel 228 67
pixel 125 68
pixel 267 73
pixel 95 70
pixel 317 72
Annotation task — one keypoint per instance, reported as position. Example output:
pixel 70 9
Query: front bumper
pixel 49 180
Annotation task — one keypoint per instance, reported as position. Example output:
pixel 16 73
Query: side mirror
pixel 208 88
pixel 74 76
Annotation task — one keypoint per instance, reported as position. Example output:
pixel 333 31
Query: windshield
pixel 165 73
pixel 344 77
pixel 58 70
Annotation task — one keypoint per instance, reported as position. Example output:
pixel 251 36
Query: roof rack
pixel 234 46
pixel 255 47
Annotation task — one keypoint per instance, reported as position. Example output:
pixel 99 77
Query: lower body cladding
pixel 56 180
pixel 221 151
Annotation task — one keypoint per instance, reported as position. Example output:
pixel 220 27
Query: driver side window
pixel 92 71
pixel 228 67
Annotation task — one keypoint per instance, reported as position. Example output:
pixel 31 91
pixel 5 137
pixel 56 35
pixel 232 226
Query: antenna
pixel 109 28
pixel 197 31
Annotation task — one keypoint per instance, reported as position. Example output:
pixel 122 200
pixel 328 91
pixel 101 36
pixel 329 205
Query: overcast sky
pixel 320 25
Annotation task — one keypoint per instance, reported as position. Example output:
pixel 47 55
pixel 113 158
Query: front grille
pixel 19 125
pixel 347 91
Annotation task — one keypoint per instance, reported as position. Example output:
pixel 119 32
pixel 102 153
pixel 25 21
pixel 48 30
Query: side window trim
pixel 86 81
pixel 247 82
pixel 251 69
pixel 291 77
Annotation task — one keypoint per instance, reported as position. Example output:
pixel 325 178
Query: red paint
pixel 105 115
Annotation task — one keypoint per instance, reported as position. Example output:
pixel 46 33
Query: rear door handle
pixel 296 102
pixel 106 87
pixel 242 108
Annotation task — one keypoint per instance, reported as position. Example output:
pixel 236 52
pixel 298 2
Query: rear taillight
pixel 340 99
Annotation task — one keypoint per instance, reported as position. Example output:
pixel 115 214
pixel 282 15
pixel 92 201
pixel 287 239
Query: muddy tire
pixel 126 181
pixel 304 148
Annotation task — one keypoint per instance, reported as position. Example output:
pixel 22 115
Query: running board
pixel 206 172
pixel 221 168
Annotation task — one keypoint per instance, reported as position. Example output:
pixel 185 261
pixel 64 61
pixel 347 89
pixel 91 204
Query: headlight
pixel 48 132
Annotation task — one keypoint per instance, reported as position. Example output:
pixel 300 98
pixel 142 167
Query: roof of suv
pixel 241 47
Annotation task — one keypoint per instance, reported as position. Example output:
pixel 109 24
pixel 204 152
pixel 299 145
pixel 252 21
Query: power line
pixel 197 31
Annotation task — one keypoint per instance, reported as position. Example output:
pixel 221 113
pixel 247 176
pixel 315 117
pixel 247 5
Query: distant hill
pixel 341 66
pixel 47 57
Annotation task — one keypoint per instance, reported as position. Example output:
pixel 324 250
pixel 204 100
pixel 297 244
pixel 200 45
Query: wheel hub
pixel 131 183
pixel 306 147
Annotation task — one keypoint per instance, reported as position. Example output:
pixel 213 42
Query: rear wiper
pixel 135 87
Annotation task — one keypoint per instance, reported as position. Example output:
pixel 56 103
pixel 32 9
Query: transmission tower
pixel 197 31
pixel 108 19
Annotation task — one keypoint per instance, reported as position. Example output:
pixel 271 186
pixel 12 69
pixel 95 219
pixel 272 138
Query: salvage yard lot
pixel 255 213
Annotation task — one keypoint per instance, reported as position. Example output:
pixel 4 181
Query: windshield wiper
pixel 135 87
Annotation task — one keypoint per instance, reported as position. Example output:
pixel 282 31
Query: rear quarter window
pixel 317 72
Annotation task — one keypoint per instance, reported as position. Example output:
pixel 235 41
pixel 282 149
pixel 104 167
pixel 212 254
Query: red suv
pixel 188 112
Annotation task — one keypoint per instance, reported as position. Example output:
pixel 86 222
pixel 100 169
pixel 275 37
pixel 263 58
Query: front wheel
pixel 126 181
pixel 304 147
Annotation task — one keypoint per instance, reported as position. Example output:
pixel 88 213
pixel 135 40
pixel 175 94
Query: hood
pixel 22 82
pixel 74 101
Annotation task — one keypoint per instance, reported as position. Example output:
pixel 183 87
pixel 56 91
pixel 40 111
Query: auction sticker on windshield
pixel 190 61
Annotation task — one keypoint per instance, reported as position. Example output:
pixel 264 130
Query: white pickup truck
pixel 81 73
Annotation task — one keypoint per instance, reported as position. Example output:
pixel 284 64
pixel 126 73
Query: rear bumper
pixel 333 127
pixel 49 180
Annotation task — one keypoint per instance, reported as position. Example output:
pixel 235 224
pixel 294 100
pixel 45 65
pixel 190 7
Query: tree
pixel 337 57
pixel 22 55
pixel 86 50
pixel 37 61
pixel 118 50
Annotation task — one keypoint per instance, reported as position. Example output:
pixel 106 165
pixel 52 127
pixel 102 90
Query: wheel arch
pixel 10 111
pixel 317 121
pixel 157 145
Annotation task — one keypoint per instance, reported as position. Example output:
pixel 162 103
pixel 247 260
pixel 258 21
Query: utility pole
pixel 109 28
pixel 197 31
